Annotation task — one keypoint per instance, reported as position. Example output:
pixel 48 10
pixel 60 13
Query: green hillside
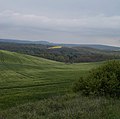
pixel 36 88
pixel 25 78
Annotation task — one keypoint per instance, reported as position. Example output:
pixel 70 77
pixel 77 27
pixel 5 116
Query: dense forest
pixel 64 54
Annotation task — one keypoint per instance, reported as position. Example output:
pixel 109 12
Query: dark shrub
pixel 104 80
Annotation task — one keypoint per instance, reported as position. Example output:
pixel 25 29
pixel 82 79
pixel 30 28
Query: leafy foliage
pixel 104 80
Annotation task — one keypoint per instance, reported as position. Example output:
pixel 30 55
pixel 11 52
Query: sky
pixel 61 21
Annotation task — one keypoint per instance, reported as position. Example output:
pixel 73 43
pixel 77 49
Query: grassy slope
pixel 26 78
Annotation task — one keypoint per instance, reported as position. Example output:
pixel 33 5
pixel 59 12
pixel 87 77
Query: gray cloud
pixel 79 21
pixel 30 20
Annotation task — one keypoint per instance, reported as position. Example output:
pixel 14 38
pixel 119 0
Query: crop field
pixel 55 47
pixel 26 78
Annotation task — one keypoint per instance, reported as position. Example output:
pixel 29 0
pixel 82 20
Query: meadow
pixel 37 88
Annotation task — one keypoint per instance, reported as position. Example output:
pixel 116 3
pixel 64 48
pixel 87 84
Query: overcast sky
pixel 61 21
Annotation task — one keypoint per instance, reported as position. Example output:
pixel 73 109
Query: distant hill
pixel 62 53
pixel 14 41
pixel 102 47
pixel 95 46
pixel 24 41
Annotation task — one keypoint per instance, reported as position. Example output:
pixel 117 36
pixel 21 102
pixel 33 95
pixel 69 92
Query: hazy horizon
pixel 73 22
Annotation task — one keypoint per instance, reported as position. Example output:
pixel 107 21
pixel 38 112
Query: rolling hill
pixel 37 88
pixel 25 78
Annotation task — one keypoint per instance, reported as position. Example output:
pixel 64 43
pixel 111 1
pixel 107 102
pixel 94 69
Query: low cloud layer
pixel 83 29
pixel 98 21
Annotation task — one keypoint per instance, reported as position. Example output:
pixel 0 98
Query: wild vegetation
pixel 70 106
pixel 102 81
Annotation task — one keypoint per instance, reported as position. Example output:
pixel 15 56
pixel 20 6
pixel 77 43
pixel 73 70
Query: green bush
pixel 102 81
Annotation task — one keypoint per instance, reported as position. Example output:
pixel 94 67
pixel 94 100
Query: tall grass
pixel 66 107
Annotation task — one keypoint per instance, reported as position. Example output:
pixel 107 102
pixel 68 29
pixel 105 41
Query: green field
pixel 26 78
pixel 36 88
